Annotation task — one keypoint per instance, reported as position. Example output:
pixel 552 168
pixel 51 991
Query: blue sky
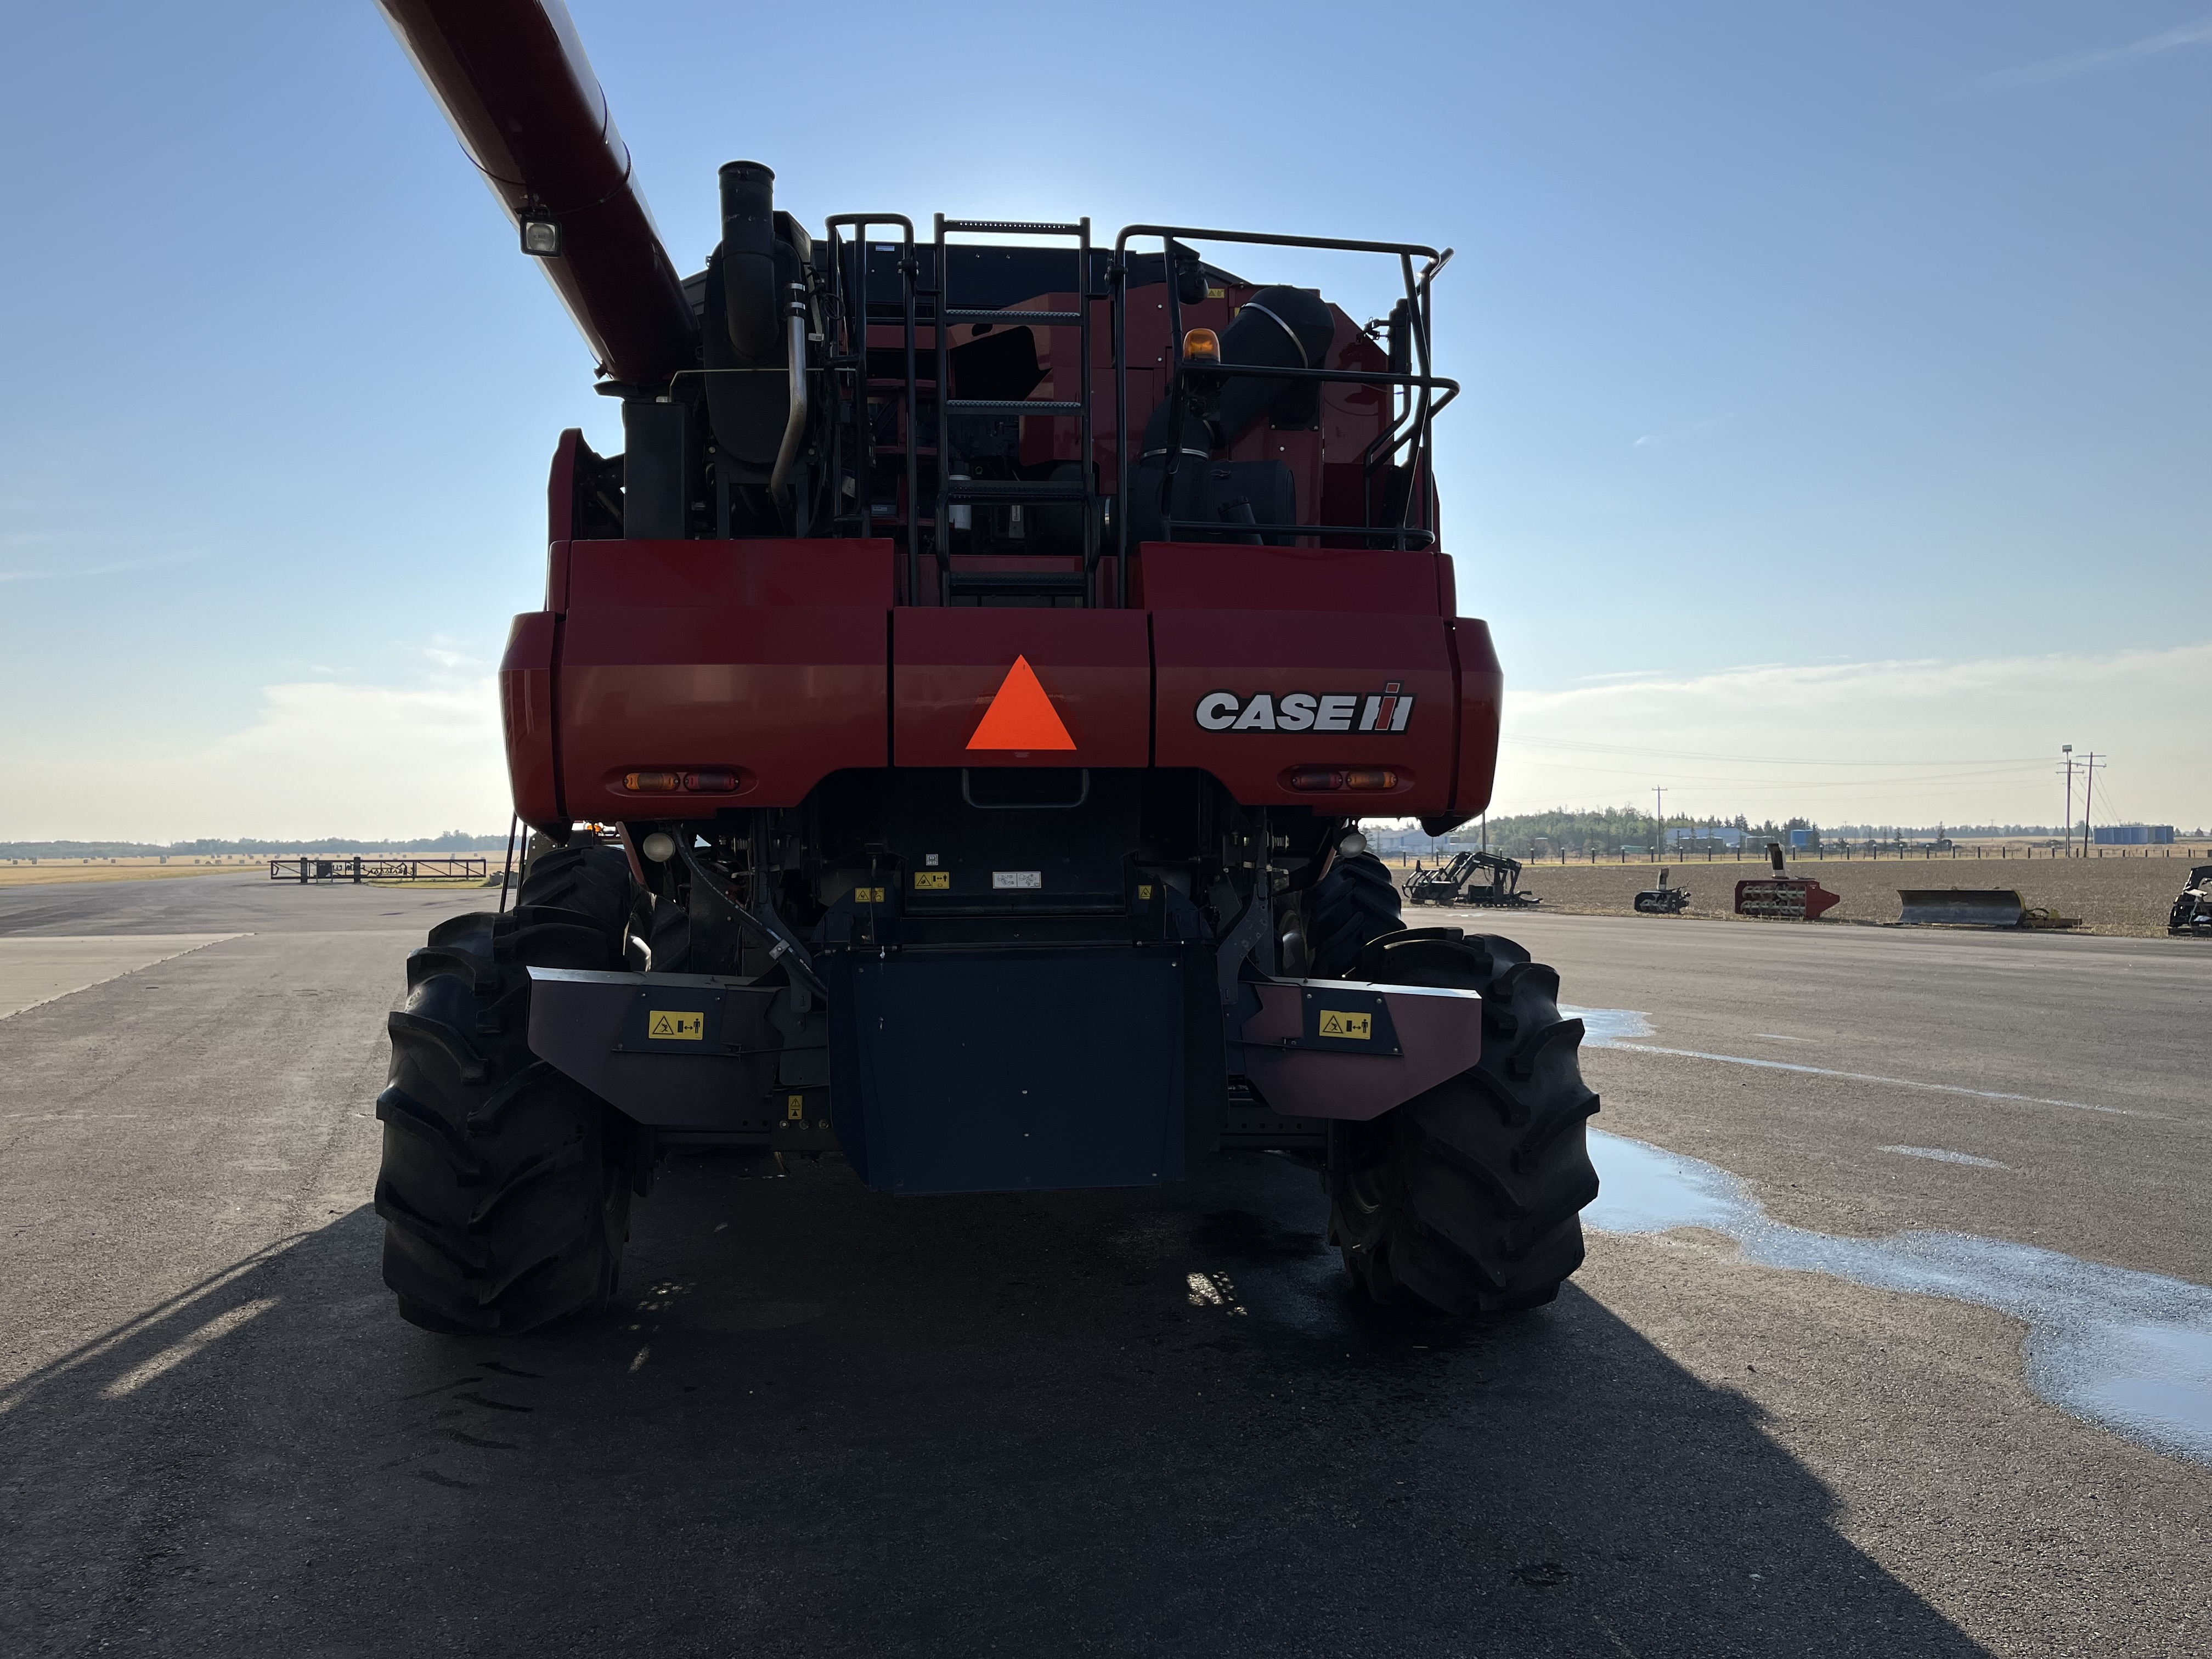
pixel 1839 379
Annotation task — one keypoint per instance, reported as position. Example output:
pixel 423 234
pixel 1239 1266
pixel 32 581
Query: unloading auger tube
pixel 944 735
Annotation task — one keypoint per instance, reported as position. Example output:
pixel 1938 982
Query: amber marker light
pixel 1316 778
pixel 1202 345
pixel 653 783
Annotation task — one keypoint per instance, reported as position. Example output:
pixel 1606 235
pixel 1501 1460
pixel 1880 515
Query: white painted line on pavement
pixel 1893 1082
pixel 1608 1028
pixel 1941 1156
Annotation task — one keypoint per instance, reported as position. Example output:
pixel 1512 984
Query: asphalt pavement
pixel 830 1422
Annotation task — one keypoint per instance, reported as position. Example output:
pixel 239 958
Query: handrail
pixel 1269 239
pixel 1423 411
pixel 863 431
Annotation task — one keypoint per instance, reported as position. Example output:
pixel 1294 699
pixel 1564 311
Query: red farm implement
pixel 984 650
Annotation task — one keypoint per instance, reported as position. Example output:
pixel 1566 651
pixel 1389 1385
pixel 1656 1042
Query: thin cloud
pixel 114 568
pixel 1904 741
pixel 320 756
pixel 2062 68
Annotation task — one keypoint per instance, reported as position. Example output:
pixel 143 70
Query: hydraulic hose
pixel 794 424
pixel 783 945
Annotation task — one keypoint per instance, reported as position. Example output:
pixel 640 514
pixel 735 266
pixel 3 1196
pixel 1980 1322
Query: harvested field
pixel 47 873
pixel 2125 896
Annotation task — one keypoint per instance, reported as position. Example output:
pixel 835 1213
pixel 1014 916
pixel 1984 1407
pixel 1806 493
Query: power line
pixel 2090 767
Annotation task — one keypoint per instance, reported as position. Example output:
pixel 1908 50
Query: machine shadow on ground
pixel 828 1421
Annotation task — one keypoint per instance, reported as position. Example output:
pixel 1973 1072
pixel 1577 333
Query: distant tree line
pixel 452 842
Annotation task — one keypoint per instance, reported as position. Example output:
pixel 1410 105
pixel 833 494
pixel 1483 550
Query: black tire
pixel 505 1186
pixel 1467 1199
pixel 592 880
pixel 1353 904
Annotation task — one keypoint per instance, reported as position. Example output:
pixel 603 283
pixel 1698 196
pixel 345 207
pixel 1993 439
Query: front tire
pixel 505 1186
pixel 1468 1198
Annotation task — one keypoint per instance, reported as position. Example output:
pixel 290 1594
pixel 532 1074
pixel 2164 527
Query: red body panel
pixel 1204 576
pixel 1338 661
pixel 1481 691
pixel 525 707
pixel 769 659
pixel 783 661
pixel 948 664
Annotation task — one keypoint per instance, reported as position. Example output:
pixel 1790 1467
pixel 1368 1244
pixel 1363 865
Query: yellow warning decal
pixel 867 896
pixel 1144 890
pixel 938 881
pixel 795 1109
pixel 1335 1024
pixel 675 1025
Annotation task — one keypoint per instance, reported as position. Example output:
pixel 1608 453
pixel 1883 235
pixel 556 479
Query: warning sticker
pixel 932 881
pixel 675 1025
pixel 1029 881
pixel 1335 1022
pixel 795 1109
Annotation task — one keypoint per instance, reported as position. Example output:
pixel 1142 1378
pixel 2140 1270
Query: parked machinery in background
pixel 1472 878
pixel 1662 900
pixel 1782 896
pixel 2192 912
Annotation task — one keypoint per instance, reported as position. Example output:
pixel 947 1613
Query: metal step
pixel 1043 583
pixel 1011 406
pixel 1005 492
pixel 1016 227
pixel 956 315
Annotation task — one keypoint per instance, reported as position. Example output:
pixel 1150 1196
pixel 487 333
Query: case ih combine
pixel 980 657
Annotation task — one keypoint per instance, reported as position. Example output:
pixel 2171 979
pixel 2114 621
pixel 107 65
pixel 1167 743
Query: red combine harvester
pixel 987 651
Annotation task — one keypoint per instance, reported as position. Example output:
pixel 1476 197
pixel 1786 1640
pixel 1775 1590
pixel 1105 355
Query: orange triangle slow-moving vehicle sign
pixel 1021 716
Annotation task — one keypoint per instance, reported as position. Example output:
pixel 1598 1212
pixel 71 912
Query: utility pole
pixel 2088 795
pixel 1659 816
pixel 2067 749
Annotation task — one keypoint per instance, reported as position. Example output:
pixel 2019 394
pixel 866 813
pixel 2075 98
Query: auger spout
pixel 512 77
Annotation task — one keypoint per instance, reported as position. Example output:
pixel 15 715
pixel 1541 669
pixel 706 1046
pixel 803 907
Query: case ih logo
pixel 1387 710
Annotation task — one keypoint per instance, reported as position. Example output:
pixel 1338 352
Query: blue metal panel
pixel 1009 1071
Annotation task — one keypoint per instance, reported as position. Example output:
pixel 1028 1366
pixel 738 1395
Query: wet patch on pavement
pixel 2131 1351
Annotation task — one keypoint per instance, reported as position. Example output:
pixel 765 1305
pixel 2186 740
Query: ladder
pixel 953 493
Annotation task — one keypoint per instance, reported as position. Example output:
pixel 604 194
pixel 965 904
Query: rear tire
pixel 505 1186
pixel 1468 1198
pixel 1353 904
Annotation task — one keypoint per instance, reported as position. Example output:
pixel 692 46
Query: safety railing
pixel 357 869
pixel 1411 430
pixel 853 307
